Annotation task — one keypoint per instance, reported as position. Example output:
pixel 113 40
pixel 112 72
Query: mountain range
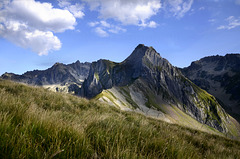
pixel 147 83
pixel 60 77
pixel 220 76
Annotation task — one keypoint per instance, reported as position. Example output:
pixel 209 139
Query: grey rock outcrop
pixel 220 76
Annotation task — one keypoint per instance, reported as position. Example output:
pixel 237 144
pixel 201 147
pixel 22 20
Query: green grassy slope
pixel 36 123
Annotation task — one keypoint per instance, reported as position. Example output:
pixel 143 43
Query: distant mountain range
pixel 220 76
pixel 60 77
pixel 144 82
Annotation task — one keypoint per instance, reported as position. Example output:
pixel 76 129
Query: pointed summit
pixel 144 56
pixel 139 52
pixel 77 62
pixel 57 65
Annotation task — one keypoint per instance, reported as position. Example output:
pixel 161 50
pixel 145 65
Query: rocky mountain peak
pixel 140 52
pixel 77 62
pixel 58 64
pixel 144 62
pixel 7 75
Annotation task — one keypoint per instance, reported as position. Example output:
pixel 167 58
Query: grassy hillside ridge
pixel 36 123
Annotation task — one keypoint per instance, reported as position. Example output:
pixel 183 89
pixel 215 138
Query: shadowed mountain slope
pixel 220 76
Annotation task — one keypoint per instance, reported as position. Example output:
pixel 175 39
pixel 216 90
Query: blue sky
pixel 36 34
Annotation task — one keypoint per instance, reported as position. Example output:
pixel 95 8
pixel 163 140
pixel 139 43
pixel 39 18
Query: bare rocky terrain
pixel 220 76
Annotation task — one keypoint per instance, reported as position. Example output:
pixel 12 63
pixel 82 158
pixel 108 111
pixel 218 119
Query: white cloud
pixel 39 41
pixel 101 32
pixel 232 23
pixel 93 24
pixel 42 42
pixel 128 12
pixel 151 24
pixel 31 24
pixel 63 3
pixel 178 7
pixel 76 9
pixel 116 29
pixel 103 28
pixel 40 15
pixel 105 24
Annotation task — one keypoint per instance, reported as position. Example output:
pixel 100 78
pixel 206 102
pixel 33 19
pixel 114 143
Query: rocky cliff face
pixel 153 79
pixel 61 77
pixel 220 76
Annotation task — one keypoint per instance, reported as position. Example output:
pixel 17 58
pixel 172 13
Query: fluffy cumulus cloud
pixel 40 42
pixel 128 12
pixel 178 7
pixel 103 28
pixel 31 24
pixel 232 22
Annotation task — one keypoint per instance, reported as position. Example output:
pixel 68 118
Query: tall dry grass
pixel 36 123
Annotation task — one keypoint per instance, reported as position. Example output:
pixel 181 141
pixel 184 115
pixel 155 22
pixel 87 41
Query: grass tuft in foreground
pixel 36 123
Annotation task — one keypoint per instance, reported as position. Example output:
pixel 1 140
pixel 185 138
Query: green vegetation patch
pixel 96 75
pixel 210 102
